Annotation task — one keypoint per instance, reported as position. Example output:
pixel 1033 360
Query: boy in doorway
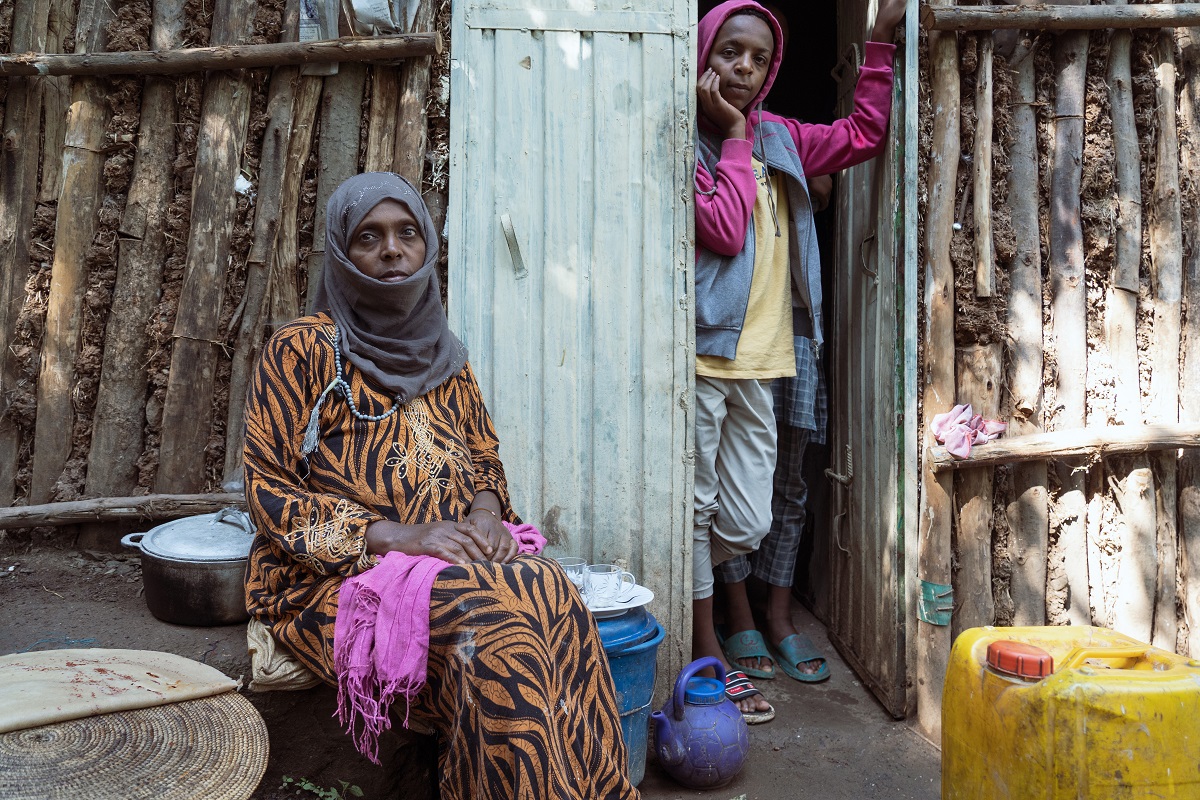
pixel 758 285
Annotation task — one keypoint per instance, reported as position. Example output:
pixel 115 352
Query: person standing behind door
pixel 758 282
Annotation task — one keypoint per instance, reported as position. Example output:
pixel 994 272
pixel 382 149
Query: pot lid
pixel 633 627
pixel 223 536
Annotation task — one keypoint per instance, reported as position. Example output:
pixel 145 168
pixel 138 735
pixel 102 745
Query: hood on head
pixel 707 32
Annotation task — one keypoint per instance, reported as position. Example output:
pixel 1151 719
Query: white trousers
pixel 735 462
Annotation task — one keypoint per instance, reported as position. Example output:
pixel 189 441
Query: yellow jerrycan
pixel 1050 713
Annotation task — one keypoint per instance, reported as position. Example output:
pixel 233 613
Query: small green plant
pixel 305 785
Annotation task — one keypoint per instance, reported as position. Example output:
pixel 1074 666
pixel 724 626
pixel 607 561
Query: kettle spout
pixel 670 749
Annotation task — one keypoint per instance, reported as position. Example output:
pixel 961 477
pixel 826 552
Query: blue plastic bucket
pixel 633 667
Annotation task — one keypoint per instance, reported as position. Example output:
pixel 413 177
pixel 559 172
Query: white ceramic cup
pixel 576 569
pixel 608 584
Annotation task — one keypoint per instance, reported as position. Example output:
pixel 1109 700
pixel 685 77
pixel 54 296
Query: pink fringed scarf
pixel 381 638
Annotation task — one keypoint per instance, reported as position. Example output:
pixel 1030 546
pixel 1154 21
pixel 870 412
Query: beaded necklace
pixel 313 429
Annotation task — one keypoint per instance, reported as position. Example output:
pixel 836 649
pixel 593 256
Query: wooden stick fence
pixel 1124 519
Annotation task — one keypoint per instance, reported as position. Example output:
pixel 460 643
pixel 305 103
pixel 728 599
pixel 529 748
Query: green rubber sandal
pixel 748 644
pixel 796 650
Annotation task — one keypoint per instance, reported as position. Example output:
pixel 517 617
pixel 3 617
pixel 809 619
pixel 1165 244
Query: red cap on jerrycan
pixel 1020 660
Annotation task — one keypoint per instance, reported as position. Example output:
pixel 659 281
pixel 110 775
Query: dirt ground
pixel 831 738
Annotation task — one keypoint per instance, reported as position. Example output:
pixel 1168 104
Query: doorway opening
pixel 805 89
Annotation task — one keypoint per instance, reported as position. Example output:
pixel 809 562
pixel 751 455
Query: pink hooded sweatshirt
pixel 723 216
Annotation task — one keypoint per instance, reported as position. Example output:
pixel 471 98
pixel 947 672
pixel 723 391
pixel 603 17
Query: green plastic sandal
pixel 796 650
pixel 748 644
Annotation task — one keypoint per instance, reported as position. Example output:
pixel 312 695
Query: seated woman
pixel 367 437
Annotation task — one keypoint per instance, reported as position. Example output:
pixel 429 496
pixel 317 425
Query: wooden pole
pixel 1069 312
pixel 1166 274
pixel 933 567
pixel 225 57
pixel 977 371
pixel 411 124
pixel 187 409
pixel 381 122
pixel 281 101
pixel 74 229
pixel 1028 519
pixel 1133 483
pixel 18 191
pixel 55 97
pixel 111 509
pixel 1059 17
pixel 341 111
pixel 1080 444
pixel 985 259
pixel 118 430
pixel 284 295
pixel 1189 401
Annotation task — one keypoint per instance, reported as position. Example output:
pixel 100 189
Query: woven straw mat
pixel 213 748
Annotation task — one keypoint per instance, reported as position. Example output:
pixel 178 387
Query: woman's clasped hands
pixel 480 536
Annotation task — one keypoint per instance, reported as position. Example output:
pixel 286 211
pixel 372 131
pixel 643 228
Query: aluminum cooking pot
pixel 194 569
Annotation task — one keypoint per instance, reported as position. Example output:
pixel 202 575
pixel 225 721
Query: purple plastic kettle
pixel 700 736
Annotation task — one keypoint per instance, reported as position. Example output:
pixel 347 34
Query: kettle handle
pixel 687 673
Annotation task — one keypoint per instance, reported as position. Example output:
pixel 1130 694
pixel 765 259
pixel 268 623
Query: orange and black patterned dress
pixel 528 709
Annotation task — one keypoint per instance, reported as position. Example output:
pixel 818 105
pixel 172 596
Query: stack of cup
pixel 602 585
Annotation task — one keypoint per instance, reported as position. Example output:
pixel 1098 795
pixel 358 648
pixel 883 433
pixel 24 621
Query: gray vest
pixel 723 282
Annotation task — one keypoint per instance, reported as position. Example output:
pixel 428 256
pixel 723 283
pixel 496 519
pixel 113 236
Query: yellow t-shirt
pixel 764 349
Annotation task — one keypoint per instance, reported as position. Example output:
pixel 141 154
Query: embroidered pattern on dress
pixel 423 464
pixel 327 540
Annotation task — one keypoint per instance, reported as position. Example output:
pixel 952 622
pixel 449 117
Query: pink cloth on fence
pixel 960 427
pixel 381 638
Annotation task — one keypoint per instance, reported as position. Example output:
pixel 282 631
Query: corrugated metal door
pixel 872 373
pixel 569 228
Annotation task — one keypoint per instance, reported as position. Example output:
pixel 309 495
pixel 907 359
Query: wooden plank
pixel 18 190
pixel 1059 17
pixel 55 96
pixel 908 445
pixel 567 130
pixel 1079 444
pixel 225 57
pixel 119 424
pixel 985 249
pixel 411 123
pixel 1166 275
pixel 144 507
pixel 187 412
pixel 341 112
pixel 82 194
pixel 933 646
pixel 977 371
pixel 1027 512
pixel 1189 368
pixel 1068 301
pixel 615 249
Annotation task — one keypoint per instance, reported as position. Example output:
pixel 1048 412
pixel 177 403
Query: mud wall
pixel 103 277
pixel 1105 540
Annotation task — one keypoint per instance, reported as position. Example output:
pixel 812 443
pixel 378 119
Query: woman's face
pixel 387 245
pixel 741 57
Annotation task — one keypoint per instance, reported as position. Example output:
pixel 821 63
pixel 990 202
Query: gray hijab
pixel 396 333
